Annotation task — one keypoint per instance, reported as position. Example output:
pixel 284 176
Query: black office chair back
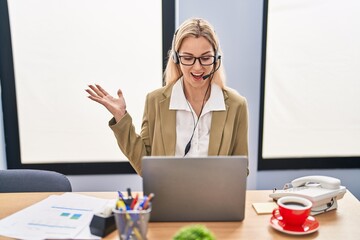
pixel 31 180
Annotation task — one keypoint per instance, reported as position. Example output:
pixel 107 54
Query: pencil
pixel 148 200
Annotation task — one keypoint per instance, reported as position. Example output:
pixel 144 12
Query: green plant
pixel 194 232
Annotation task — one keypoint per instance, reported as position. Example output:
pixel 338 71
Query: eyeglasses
pixel 190 60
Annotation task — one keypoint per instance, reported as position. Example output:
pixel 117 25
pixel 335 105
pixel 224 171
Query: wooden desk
pixel 342 223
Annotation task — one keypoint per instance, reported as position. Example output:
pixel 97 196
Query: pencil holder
pixel 132 224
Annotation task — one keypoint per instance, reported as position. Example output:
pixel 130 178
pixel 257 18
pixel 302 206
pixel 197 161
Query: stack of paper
pixel 265 207
pixel 64 216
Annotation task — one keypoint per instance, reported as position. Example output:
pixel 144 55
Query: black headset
pixel 175 54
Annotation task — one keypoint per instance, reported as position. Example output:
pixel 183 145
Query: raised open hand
pixel 116 106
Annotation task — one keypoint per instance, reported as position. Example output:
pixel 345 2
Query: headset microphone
pixel 208 75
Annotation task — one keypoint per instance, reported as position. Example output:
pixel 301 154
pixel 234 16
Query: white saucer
pixel 311 225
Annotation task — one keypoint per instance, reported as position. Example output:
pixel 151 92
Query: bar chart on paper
pixel 58 216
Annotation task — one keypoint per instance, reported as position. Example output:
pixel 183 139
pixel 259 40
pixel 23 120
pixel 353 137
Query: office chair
pixel 31 180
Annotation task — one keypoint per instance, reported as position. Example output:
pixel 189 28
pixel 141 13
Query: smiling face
pixel 196 47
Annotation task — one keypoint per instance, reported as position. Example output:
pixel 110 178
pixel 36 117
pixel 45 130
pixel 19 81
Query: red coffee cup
pixel 292 210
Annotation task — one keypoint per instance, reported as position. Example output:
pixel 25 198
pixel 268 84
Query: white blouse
pixel 186 119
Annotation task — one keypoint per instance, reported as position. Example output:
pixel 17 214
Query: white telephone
pixel 322 191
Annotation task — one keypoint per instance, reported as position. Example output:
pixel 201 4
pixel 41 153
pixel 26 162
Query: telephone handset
pixel 325 182
pixel 322 191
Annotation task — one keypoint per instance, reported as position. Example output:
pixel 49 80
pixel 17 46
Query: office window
pixel 54 49
pixel 310 113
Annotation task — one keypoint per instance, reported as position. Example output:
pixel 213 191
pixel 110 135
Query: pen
pixel 121 197
pixel 134 201
pixel 141 206
pixel 148 200
pixel 120 205
pixel 129 193
pixel 129 199
pixel 120 194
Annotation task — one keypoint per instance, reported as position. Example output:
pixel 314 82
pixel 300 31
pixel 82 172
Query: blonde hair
pixel 193 27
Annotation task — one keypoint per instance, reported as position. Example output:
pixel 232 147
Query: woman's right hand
pixel 116 106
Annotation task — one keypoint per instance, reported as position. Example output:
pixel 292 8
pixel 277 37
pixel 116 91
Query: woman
pixel 194 114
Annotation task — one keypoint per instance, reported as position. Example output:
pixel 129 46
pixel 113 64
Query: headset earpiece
pixel 174 54
pixel 217 56
pixel 175 57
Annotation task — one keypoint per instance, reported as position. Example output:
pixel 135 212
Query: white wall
pixel 239 26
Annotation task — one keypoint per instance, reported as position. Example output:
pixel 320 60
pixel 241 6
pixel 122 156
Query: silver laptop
pixel 196 189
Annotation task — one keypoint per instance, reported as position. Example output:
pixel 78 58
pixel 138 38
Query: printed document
pixel 64 216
